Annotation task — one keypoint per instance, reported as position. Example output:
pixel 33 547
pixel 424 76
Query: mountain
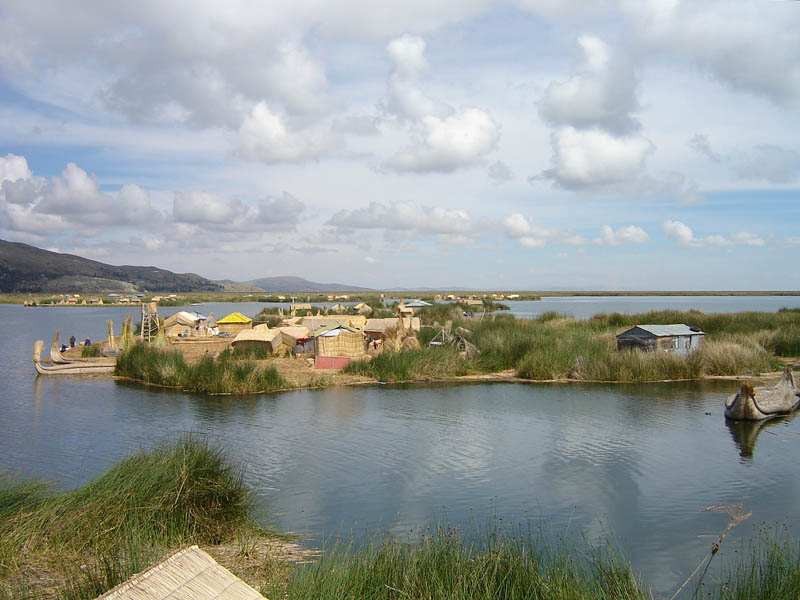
pixel 298 284
pixel 25 268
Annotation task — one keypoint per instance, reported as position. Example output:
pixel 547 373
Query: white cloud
pixel 701 144
pixel 13 167
pixel 37 205
pixel 499 172
pixel 265 136
pixel 531 235
pixel 623 235
pixel 405 218
pixel 210 211
pixel 602 93
pixel 370 260
pixel 749 46
pixel 745 238
pixel 445 145
pixel 592 158
pixel 684 236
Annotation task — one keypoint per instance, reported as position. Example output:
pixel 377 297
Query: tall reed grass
pixel 178 493
pixel 445 565
pixel 410 365
pixel 223 375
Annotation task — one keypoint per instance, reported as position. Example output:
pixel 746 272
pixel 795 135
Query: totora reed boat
pixel 757 404
pixel 102 367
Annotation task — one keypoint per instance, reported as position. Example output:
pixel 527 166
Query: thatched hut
pixel 189 573
pixel 183 324
pixel 337 345
pixel 376 328
pixel 234 323
pixel 363 308
pixel 259 336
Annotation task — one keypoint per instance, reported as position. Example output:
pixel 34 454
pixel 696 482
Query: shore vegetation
pixel 225 374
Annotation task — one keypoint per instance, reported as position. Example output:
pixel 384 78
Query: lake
pixel 638 462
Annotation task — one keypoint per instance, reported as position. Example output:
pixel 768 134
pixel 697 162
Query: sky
pixel 519 144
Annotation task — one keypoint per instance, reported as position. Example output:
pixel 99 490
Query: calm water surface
pixel 638 461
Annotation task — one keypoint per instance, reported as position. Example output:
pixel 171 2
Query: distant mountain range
pixel 298 284
pixel 25 268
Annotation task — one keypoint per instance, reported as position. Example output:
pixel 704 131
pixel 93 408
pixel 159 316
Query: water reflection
pixel 745 433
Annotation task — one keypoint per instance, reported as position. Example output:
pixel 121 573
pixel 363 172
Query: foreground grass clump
pixel 446 566
pixel 770 571
pixel 179 493
pixel 223 375
pixel 408 365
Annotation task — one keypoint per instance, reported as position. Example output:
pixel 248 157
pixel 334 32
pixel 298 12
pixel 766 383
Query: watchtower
pixel 149 320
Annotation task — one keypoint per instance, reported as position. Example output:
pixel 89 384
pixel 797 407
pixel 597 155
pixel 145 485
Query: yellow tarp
pixel 235 317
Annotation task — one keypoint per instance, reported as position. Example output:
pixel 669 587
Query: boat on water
pixel 757 404
pixel 57 358
pixel 72 368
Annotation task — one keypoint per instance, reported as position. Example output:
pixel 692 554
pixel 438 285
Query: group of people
pixel 72 340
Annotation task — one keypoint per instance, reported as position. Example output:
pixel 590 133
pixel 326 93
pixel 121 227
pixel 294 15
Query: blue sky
pixel 525 144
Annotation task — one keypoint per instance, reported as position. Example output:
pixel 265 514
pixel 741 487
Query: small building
pixel 337 345
pixel 234 323
pixel 338 308
pixel 376 328
pixel 183 324
pixel 259 336
pixel 363 308
pixel 677 339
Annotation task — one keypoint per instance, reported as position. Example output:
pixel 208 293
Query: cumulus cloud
pixel 624 235
pixel 13 167
pixel 593 157
pixel 445 139
pixel 265 136
pixel 758 51
pixel 531 235
pixel 602 93
pixel 210 211
pixel 684 236
pixel 404 217
pixel 447 144
pixel 38 205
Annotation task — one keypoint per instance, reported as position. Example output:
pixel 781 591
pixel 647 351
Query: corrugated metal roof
pixel 667 330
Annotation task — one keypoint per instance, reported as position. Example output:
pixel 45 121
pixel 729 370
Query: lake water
pixel 636 461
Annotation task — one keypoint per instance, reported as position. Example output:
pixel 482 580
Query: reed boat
pixel 73 368
pixel 757 404
pixel 56 357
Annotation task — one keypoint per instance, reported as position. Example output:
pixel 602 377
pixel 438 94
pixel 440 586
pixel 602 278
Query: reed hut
pixel 338 308
pixel 314 323
pixel 291 335
pixel 376 328
pixel 234 323
pixel 363 308
pixel 337 345
pixel 675 339
pixel 183 324
pixel 259 336
pixel 189 573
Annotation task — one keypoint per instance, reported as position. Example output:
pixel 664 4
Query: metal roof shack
pixel 676 339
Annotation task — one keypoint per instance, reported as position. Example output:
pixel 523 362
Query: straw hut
pixel 291 335
pixel 376 328
pixel 183 324
pixel 314 323
pixel 337 345
pixel 338 308
pixel 294 307
pixel 259 336
pixel 234 323
pixel 189 573
pixel 363 308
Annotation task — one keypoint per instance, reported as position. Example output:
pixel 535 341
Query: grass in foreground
pixel 223 375
pixel 444 565
pixel 176 494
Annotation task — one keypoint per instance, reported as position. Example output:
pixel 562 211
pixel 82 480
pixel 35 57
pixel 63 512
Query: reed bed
pixel 447 565
pixel 410 365
pixel 90 351
pixel 223 375
pixel 80 543
pixel 770 570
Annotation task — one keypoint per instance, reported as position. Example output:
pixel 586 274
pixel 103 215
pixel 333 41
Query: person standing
pixel 72 341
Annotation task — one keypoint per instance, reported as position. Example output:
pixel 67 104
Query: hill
pixel 25 268
pixel 298 284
